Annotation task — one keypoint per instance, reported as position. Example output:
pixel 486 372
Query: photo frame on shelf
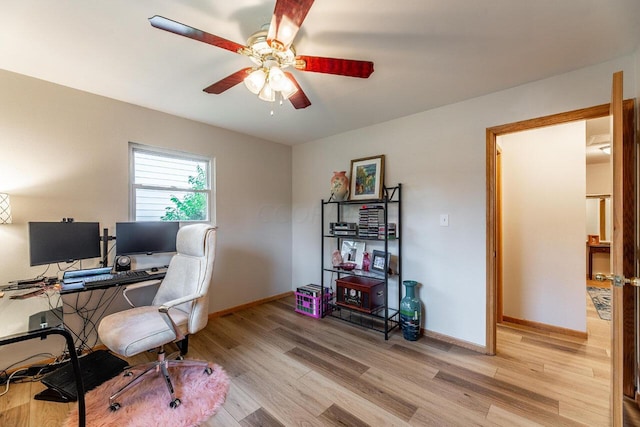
pixel 367 178
pixel 378 261
pixel 352 252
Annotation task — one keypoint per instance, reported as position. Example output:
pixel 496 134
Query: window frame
pixel 173 154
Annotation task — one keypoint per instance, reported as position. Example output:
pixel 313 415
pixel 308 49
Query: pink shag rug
pixel 147 404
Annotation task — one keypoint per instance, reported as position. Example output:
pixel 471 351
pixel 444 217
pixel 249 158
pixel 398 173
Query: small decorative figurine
pixel 366 261
pixel 336 258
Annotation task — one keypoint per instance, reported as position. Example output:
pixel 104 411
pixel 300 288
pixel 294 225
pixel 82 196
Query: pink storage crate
pixel 309 305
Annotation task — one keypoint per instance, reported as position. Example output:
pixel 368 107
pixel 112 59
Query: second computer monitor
pixel 146 237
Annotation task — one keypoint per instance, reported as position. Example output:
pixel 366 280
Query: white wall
pixel 64 153
pixel 439 156
pixel 543 189
pixel 599 178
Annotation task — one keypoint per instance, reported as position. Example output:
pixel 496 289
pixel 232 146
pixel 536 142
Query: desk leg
pixel 75 363
pixel 590 264
pixel 72 353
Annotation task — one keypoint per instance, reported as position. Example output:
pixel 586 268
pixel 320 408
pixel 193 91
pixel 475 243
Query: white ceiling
pixel 427 53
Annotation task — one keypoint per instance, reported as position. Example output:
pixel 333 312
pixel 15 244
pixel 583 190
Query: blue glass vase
pixel 410 312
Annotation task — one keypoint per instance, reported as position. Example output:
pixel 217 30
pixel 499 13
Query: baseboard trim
pixel 545 327
pixel 248 305
pixel 455 341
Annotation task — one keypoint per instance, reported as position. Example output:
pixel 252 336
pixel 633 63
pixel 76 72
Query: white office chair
pixel 179 308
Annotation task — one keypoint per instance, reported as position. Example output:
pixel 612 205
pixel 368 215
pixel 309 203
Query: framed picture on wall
pixel 367 178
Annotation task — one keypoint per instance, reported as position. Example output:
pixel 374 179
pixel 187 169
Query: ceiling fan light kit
pixel 277 79
pixel 267 78
pixel 255 80
pixel 271 51
pixel 267 94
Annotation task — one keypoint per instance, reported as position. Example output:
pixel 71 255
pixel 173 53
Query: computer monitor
pixel 146 237
pixel 52 242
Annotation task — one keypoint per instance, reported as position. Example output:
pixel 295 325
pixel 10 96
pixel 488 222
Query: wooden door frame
pixel 499 249
pixel 617 253
pixel 629 209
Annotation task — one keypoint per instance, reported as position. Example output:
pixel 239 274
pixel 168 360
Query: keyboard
pixel 119 278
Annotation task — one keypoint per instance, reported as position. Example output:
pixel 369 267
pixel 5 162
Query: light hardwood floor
pixel 292 370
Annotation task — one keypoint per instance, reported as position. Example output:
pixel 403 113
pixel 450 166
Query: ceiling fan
pixel 271 51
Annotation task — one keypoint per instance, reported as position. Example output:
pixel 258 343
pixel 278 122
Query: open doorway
pixel 541 207
pixel 599 214
pixel 492 231
pixel 491 167
pixel 543 227
pixel 599 188
pixel 627 201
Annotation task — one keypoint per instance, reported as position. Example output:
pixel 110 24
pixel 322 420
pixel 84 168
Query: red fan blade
pixel 193 33
pixel 298 99
pixel 288 16
pixel 228 82
pixel 342 67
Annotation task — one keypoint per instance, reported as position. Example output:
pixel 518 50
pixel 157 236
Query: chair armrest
pixel 139 285
pixel 164 310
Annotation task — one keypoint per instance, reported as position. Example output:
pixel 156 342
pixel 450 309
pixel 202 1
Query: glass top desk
pixel 38 316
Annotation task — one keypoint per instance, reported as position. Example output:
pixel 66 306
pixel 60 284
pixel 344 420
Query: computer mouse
pixel 154 269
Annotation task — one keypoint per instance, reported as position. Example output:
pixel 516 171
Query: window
pixel 168 185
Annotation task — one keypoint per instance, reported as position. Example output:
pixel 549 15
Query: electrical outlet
pixel 444 220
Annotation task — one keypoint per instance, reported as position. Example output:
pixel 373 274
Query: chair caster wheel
pixel 175 403
pixel 208 370
pixel 114 407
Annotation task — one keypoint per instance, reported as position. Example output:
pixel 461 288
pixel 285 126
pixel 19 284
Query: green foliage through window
pixel 193 206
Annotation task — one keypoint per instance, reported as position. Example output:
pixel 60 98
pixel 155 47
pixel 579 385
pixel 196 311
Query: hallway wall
pixel 544 185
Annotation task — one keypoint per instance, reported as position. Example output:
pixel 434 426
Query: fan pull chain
pixel 280 103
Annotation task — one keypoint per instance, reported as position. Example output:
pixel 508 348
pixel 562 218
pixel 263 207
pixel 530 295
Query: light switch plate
pixel 444 220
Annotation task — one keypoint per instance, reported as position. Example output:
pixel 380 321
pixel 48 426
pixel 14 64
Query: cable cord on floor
pixel 4 379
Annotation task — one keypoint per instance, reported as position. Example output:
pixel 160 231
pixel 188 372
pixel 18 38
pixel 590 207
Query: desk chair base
pixel 161 367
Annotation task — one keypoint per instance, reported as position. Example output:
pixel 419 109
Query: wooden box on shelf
pixel 360 293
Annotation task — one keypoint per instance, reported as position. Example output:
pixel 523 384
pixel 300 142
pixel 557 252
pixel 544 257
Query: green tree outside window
pixel 193 206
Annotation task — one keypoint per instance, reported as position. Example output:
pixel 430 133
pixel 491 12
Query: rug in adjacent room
pixel 147 404
pixel 601 298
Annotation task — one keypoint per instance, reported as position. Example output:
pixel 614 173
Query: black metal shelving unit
pixel 382 319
